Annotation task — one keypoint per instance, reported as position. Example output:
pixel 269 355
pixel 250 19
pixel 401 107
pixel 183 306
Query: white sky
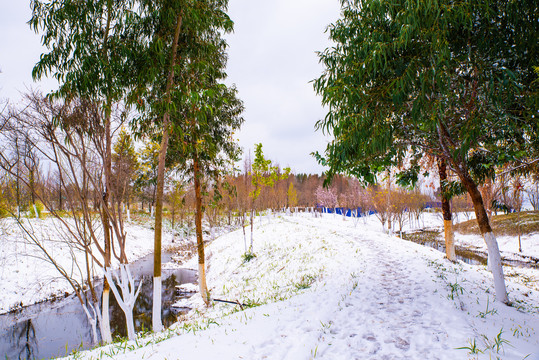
pixel 271 60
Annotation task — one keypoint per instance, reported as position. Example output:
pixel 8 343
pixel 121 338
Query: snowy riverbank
pixel 26 277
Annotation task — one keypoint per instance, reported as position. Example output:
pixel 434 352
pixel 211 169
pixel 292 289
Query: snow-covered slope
pixel 322 288
pixel 27 277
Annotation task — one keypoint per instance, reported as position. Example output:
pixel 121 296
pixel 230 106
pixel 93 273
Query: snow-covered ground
pixel 324 288
pixel 25 275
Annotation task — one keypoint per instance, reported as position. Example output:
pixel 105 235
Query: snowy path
pixel 393 305
pixel 378 302
pixel 391 313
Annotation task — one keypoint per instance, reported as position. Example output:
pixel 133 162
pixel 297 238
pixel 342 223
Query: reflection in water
pixel 428 238
pixel 24 336
pixel 55 328
pixel 142 312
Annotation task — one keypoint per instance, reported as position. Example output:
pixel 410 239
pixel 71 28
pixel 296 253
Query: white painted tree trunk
pixel 35 211
pixel 356 217
pixel 495 265
pixel 157 324
pixel 243 228
pixel 106 334
pixel 203 288
pixel 128 213
pixel 252 224
pixel 126 301
pixel 151 211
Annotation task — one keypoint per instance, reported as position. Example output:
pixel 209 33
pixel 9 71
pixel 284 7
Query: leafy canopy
pixel 445 78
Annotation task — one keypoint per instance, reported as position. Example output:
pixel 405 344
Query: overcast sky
pixel 272 59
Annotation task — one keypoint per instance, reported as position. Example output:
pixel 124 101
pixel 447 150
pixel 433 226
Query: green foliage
pixel 493 347
pixel 248 256
pixel 146 173
pixel 305 282
pixel 451 79
pixel 124 164
pixel 455 288
pixel 5 207
pixel 472 348
pixel 263 173
pixel 292 196
pixel 38 207
pixel 89 58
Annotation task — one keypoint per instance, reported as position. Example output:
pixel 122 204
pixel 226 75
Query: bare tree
pixel 71 138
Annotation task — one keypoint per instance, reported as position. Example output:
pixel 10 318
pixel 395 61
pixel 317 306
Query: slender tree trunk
pixel 243 228
pixel 389 226
pixel 157 324
pixel 107 335
pixel 494 258
pixel 200 242
pixel 446 212
pixel 252 225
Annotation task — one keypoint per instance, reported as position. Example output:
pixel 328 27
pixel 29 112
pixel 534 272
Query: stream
pixel 55 328
pixel 429 238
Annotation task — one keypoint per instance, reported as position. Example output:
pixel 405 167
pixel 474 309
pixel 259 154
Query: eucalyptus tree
pixel 91 50
pixel 181 55
pixel 124 167
pixel 449 79
pixel 203 135
pixel 208 113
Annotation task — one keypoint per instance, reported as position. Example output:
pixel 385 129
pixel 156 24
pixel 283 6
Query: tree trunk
pixel 494 258
pixel 446 212
pixel 243 228
pixel 252 231
pixel 157 324
pixel 105 218
pixel 200 242
pixel 106 334
pixel 126 300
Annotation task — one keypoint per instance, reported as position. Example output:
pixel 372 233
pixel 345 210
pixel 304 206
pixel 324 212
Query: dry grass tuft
pixel 505 224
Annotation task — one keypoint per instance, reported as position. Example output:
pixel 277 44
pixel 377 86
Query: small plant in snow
pixel 455 289
pixel 249 303
pixel 472 348
pixel 487 311
pixel 248 256
pixel 305 282
pixel 493 347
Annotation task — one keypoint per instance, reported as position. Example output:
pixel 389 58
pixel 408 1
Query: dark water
pixel 466 255
pixel 56 328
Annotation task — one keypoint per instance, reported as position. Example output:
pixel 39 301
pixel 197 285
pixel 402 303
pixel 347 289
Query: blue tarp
pixel 347 211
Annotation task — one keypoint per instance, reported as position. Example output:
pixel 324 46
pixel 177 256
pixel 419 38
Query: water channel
pixel 430 238
pixel 56 327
